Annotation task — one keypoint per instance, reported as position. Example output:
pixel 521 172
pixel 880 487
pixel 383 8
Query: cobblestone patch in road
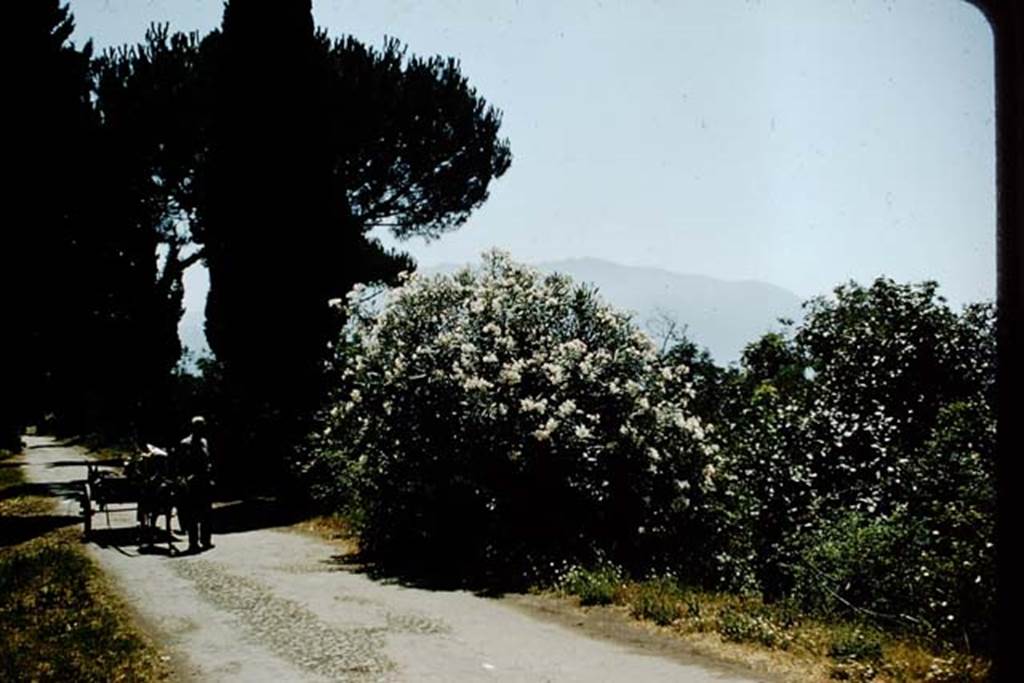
pixel 410 622
pixel 290 630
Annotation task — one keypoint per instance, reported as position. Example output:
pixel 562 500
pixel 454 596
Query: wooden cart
pixel 106 484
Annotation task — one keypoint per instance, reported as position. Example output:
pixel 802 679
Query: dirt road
pixel 274 605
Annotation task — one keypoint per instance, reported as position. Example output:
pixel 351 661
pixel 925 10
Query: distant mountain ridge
pixel 721 315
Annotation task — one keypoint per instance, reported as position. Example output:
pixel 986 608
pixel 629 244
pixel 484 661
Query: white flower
pixel 574 347
pixel 473 383
pixel 567 408
pixel 356 396
pixel 583 432
pixel 510 375
pixel 554 372
pixel 492 328
pixel 545 432
pixel 653 454
pixel 528 405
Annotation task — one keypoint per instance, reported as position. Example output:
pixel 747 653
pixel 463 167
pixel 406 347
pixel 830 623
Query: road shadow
pixel 255 513
pixel 55 489
pixel 18 529
pixel 61 443
pixel 434 575
pixel 70 463
pixel 144 541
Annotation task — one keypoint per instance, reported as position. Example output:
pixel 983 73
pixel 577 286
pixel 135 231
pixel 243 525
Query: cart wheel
pixel 87 509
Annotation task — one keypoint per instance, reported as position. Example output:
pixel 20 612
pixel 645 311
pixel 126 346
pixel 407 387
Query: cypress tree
pixel 275 234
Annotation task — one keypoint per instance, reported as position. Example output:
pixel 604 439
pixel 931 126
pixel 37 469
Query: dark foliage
pixel 310 145
pixel 94 310
pixel 273 231
pixel 55 140
pixel 858 463
pixel 266 149
pixel 415 146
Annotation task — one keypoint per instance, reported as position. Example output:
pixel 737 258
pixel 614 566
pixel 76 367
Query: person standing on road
pixel 195 471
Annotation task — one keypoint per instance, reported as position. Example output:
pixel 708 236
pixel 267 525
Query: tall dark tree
pixel 311 144
pixel 273 229
pixel 46 246
pixel 95 278
pixel 150 108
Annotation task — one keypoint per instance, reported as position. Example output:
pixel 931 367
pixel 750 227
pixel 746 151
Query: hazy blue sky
pixel 801 143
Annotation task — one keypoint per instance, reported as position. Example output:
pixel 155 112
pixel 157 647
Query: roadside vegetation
pixel 59 620
pixel 804 646
pixel 839 480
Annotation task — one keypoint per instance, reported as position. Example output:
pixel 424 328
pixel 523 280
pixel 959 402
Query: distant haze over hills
pixel 721 315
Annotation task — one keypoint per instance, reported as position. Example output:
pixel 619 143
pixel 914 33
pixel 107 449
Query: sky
pixel 802 143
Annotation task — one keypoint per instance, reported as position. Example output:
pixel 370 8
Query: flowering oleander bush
pixel 502 417
pixel 858 458
pixel 516 422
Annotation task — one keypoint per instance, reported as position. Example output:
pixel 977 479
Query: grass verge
pixel 776 638
pixel 59 620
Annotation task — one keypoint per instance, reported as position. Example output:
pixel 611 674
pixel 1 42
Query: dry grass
pixel 332 528
pixel 780 640
pixel 59 618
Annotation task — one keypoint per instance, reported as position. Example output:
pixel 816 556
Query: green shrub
pixel 600 586
pixel 857 672
pixel 856 644
pixel 659 599
pixel 741 626
pixel 858 458
pixel 904 573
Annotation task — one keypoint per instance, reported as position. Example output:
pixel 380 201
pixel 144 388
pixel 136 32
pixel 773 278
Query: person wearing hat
pixel 195 472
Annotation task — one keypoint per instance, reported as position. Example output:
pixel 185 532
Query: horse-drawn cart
pixel 143 479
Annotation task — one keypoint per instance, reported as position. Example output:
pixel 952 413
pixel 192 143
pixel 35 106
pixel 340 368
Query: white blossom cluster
pixel 504 364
